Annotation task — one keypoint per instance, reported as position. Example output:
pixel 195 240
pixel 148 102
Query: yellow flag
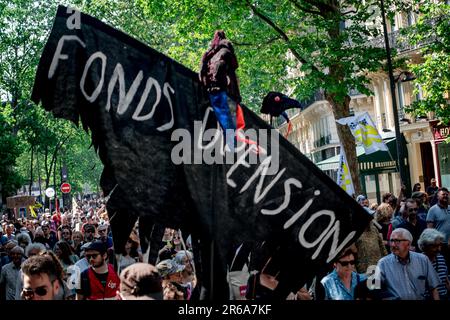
pixel 365 132
pixel 344 177
pixel 32 212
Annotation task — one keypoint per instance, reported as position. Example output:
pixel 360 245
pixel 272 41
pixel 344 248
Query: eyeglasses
pixel 413 209
pixel 346 263
pixel 89 256
pixel 29 293
pixel 397 241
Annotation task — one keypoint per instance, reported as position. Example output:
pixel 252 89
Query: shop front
pixel 378 170
pixel 441 153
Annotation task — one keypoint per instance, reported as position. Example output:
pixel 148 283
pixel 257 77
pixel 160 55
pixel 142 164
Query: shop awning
pixel 380 161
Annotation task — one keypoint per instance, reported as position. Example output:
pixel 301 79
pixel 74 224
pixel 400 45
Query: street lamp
pixel 400 149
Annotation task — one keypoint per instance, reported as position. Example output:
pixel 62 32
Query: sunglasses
pixel 29 293
pixel 89 256
pixel 346 263
pixel 397 241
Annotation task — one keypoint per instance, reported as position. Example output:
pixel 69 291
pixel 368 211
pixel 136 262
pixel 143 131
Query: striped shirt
pixel 441 268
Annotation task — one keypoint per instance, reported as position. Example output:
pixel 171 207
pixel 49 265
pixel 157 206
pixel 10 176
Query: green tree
pixel 10 149
pixel 433 73
pixel 45 141
pixel 270 37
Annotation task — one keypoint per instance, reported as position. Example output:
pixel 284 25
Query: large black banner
pixel 149 118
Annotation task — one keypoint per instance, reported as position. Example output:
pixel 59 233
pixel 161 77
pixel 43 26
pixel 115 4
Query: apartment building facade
pixel 314 129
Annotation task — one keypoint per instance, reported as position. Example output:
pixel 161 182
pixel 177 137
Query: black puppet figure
pixel 275 104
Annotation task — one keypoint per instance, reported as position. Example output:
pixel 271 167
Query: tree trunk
pixel 31 170
pixel 341 110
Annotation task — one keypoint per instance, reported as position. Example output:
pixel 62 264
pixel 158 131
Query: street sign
pixel 50 192
pixel 66 187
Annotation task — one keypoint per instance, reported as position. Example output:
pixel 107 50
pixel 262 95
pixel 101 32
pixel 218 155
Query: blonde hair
pixel 384 212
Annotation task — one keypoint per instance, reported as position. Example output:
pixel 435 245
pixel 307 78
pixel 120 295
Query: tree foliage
pixel 30 137
pixel 433 73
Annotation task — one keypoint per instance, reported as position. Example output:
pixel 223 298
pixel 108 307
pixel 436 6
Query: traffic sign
pixel 66 187
pixel 50 192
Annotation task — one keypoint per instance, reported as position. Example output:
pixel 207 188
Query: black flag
pixel 148 117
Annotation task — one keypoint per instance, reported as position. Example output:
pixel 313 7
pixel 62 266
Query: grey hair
pixel 405 233
pixel 17 249
pixel 23 237
pixel 181 254
pixel 429 237
pixel 36 245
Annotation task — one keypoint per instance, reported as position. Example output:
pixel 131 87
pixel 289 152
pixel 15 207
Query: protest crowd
pixel 69 255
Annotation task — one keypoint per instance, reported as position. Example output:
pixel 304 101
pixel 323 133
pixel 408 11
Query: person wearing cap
pixel 10 273
pixel 170 271
pixel 89 232
pixel 102 230
pixel 99 281
pixel 140 281
pixel 363 201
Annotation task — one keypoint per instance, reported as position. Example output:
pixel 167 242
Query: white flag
pixel 365 132
pixel 344 178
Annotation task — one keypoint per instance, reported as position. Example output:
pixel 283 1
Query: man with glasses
pixel 42 278
pixel 405 274
pixel 99 281
pixel 413 223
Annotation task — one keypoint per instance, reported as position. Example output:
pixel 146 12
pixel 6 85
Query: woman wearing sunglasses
pixel 341 283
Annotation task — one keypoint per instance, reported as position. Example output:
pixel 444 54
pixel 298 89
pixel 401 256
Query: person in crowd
pixel 172 246
pixel 189 280
pixel 40 238
pixel 430 242
pixel 34 249
pixel 50 237
pixel 89 232
pixel 42 278
pixel 362 200
pixel 77 242
pixel 405 274
pixel 65 233
pixel 7 257
pixel 10 232
pixel 170 272
pixel 421 198
pixel 370 248
pixel 383 216
pixel 9 274
pixel 83 263
pixel 439 215
pixel 99 281
pixel 65 255
pixel 23 240
pixel 432 189
pixel 341 283
pixel 140 281
pixel 131 254
pixel 102 230
pixel 416 187
pixel 413 223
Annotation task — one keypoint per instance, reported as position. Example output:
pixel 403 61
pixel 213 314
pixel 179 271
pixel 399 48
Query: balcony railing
pixel 399 41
